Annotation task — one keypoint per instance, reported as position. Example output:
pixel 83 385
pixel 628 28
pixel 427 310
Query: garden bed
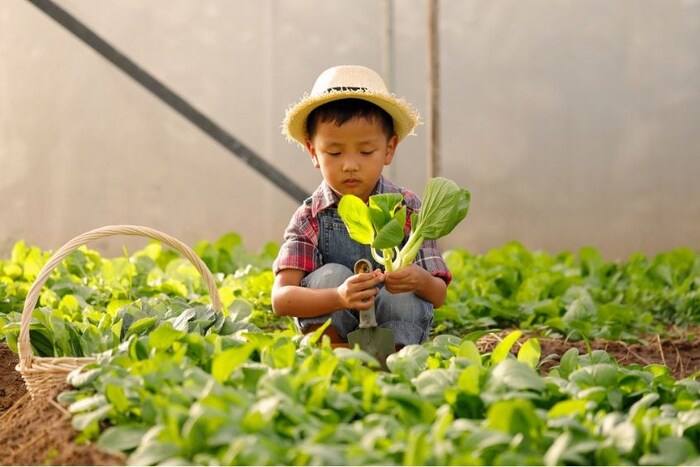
pixel 191 384
pixel 37 432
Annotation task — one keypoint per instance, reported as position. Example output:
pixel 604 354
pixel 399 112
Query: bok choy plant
pixel 380 223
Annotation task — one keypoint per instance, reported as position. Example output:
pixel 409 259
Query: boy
pixel 350 125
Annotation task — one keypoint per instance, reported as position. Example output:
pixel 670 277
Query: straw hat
pixel 343 82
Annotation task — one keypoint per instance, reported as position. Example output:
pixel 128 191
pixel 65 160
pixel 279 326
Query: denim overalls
pixel 409 316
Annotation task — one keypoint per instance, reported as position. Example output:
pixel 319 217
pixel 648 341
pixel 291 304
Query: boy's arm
pixel 289 298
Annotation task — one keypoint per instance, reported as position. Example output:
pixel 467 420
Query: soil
pixel 39 432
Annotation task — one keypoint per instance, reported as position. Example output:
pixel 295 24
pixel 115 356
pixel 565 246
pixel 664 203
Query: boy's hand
pixel 358 291
pixel 408 279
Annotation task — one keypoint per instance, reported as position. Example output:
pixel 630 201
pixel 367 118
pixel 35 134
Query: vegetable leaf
pixel 381 222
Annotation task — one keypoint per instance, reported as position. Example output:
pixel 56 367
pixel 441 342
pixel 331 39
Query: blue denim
pixel 410 317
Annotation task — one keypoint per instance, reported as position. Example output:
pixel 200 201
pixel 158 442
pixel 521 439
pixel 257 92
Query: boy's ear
pixel 312 153
pixel 391 149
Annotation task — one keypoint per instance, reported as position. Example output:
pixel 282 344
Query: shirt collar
pixel 324 196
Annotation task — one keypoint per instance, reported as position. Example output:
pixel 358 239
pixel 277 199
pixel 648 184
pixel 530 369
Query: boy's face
pixel 351 157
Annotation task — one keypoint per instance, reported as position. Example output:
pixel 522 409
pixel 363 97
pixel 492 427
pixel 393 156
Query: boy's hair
pixel 344 110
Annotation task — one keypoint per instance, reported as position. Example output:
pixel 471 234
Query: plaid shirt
pixel 300 247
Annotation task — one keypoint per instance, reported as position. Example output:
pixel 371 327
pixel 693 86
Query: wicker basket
pixel 43 375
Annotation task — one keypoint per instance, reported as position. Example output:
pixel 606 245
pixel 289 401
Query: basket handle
pixel 25 348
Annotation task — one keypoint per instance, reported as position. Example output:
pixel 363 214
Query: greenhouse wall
pixel 571 122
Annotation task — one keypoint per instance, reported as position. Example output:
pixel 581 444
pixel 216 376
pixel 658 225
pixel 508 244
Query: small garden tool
pixel 376 341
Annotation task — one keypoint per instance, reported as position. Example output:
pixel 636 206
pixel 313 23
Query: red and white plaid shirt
pixel 300 247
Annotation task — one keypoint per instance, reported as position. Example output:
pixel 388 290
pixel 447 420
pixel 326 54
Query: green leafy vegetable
pixel 380 223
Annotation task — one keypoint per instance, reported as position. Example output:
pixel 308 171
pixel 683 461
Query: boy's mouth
pixel 352 182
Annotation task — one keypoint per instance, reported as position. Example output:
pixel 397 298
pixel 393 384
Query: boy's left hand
pixel 408 279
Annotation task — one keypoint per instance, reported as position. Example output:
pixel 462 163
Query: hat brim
pixel 405 117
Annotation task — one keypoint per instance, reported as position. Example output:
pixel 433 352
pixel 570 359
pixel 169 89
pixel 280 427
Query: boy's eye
pixel 366 153
pixel 337 153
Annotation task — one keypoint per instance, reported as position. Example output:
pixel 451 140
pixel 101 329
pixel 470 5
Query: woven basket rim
pixel 31 366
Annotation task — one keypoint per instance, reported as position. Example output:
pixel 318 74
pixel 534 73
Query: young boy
pixel 350 125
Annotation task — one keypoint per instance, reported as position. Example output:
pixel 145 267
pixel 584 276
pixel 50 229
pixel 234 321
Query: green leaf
pixel 117 397
pixel 408 361
pixel 88 403
pixel 317 335
pixel 164 336
pixel 32 264
pixel 468 349
pixel 225 362
pixel 345 354
pixel 406 405
pixel 240 309
pixel 229 241
pixel 419 448
pixel 382 208
pixel 567 408
pixel 569 362
pixel 181 322
pixel 138 350
pixel 174 287
pixel 141 326
pixel 121 438
pixel 19 252
pixel 152 452
pixel 391 235
pixel 515 417
pixel 12 270
pixel 281 354
pixel 83 420
pixel 516 375
pixel 599 374
pixel 557 450
pixel 431 384
pixel 500 352
pixel 444 206
pixel 68 397
pixel 446 344
pixel 468 380
pixel 388 221
pixel 673 450
pixel 624 436
pixel 261 413
pixel 355 214
pixel 643 404
pixel 69 305
pixel 530 353
pixel 83 376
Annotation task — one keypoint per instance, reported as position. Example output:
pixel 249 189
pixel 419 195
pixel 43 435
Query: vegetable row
pixel 579 295
pixel 255 398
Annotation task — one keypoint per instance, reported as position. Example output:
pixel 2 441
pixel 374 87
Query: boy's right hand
pixel 358 291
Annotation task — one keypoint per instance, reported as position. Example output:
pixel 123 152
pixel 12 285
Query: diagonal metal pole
pixel 169 97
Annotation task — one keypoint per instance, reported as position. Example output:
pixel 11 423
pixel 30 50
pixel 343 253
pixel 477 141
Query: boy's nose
pixel 350 164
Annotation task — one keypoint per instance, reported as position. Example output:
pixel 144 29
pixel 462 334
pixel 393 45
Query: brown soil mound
pixel 39 432
pixel 679 351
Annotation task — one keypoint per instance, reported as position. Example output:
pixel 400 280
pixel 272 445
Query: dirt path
pixel 34 432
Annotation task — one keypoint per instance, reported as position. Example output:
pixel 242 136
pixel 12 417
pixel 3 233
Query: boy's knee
pixel 405 307
pixel 328 275
pixel 409 316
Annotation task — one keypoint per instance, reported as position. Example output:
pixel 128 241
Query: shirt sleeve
pixel 299 249
pixel 430 259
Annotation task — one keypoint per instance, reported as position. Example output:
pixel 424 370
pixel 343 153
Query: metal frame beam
pixel 170 98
